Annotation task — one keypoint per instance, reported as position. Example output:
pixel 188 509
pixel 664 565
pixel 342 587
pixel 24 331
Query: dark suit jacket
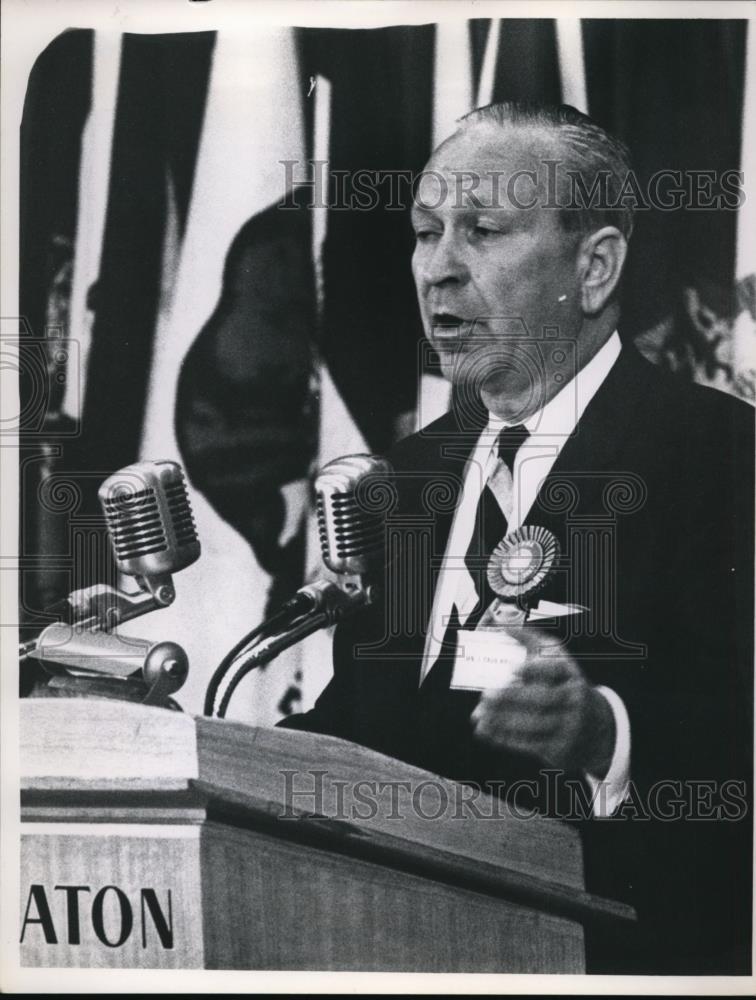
pixel 651 499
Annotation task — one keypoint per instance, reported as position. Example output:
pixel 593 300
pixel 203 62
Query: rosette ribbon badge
pixel 520 566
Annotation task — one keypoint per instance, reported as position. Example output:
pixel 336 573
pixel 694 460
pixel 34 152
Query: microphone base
pixel 121 689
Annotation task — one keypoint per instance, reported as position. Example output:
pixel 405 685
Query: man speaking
pixel 635 684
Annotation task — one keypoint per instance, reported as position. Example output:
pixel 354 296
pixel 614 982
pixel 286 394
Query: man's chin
pixel 451 354
pixel 449 366
pixel 493 371
pixel 513 399
pixel 463 364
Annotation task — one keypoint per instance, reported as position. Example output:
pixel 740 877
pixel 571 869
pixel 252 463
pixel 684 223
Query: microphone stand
pixel 95 612
pixel 100 608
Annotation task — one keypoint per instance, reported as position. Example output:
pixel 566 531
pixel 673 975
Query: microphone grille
pixel 181 513
pixel 351 508
pixel 134 523
pixel 149 518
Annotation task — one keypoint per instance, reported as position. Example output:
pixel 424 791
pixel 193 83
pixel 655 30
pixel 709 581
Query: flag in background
pixel 381 88
pixel 673 91
pixel 152 142
pixel 94 174
pixel 50 155
pixel 155 161
pixel 244 422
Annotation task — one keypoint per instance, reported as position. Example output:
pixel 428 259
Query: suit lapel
pixel 430 469
pixel 591 456
pixel 591 471
pixel 434 481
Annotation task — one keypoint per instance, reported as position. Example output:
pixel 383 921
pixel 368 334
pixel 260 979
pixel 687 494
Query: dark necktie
pixel 490 520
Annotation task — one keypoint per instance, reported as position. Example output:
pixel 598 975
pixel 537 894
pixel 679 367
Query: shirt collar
pixel 560 415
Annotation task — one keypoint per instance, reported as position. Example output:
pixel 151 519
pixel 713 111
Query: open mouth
pixel 449 327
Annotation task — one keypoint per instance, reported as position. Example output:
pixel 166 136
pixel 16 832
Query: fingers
pixel 536 718
pixel 545 671
pixel 524 733
pixel 534 696
pixel 521 711
pixel 515 729
pixel 535 640
pixel 547 662
pixel 541 712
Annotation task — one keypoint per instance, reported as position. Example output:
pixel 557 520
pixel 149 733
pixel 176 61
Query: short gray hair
pixel 590 151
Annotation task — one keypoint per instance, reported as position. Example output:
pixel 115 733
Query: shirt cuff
pixel 608 795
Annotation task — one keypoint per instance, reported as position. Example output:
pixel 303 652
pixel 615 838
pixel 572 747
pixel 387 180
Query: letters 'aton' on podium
pixel 152 839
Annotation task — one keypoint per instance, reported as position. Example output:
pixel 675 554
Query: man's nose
pixel 444 262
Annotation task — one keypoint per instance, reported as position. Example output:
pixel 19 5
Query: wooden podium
pixel 152 839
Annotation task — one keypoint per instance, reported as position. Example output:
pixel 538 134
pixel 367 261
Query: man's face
pixel 490 275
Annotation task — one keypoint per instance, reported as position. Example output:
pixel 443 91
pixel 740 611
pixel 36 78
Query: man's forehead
pixel 491 145
pixel 483 159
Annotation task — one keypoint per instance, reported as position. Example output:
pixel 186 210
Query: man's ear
pixel 601 259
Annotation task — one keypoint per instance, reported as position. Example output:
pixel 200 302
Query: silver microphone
pixel 353 496
pixel 152 532
pixel 150 524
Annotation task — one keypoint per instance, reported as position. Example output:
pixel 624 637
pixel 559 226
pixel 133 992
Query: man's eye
pixel 422 235
pixel 486 231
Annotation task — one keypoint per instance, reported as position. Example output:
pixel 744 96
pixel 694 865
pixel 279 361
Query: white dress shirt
pixel 548 430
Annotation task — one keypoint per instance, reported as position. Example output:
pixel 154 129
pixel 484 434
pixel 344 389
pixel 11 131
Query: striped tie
pixel 492 516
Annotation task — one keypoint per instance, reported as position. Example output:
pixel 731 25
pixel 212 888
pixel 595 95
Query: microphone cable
pixel 297 605
pixel 228 661
pixel 260 657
